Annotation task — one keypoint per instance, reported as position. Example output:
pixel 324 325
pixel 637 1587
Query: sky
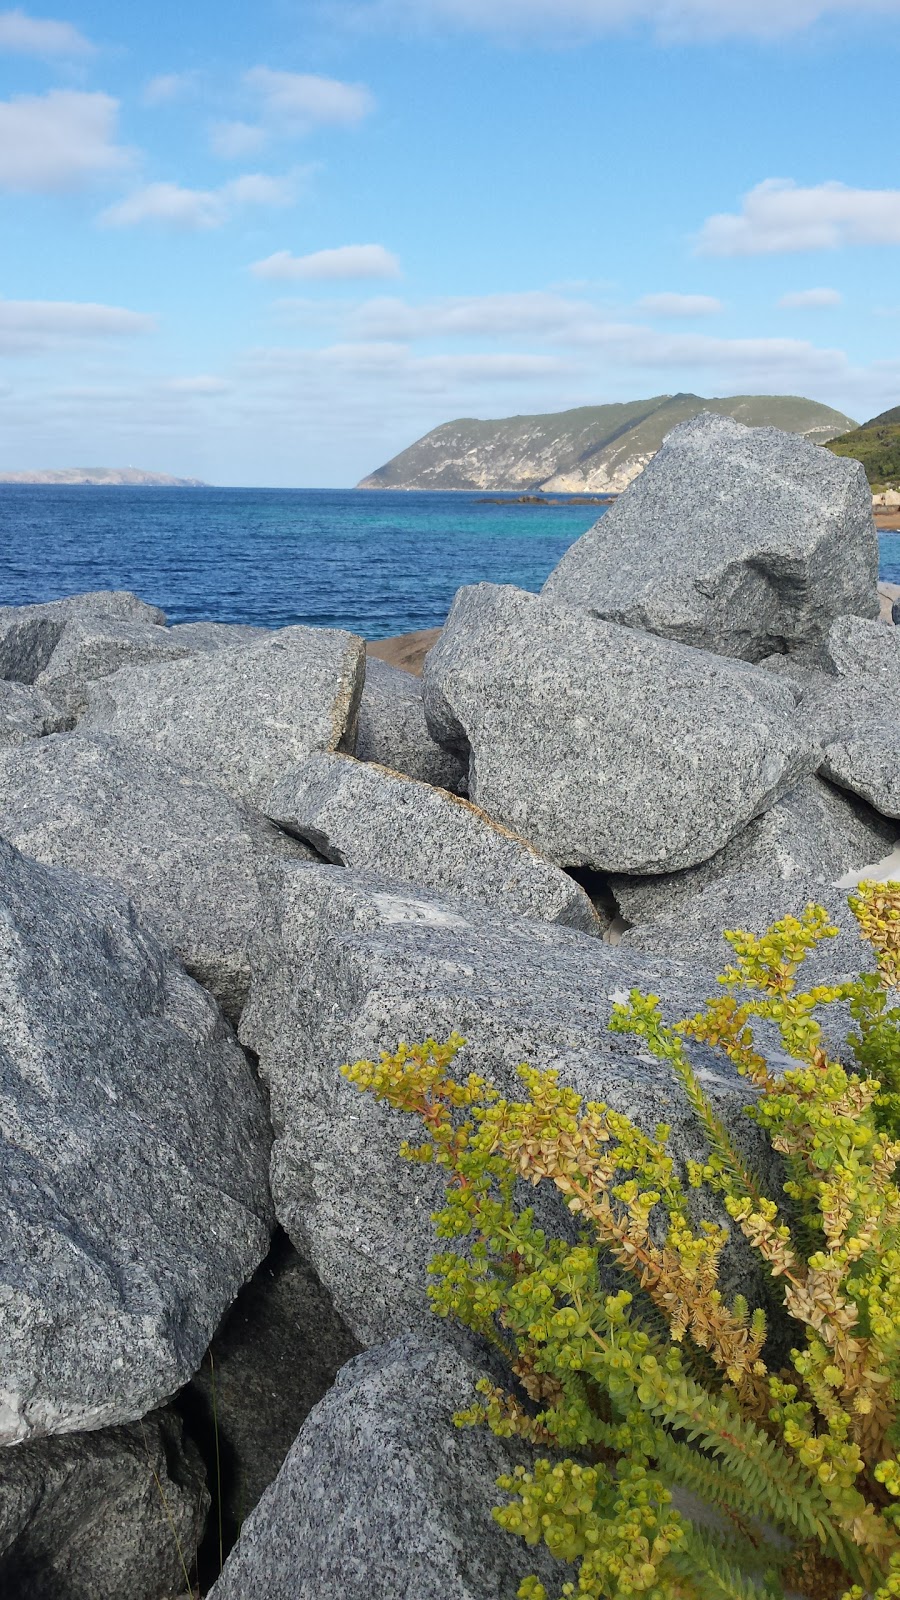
pixel 273 244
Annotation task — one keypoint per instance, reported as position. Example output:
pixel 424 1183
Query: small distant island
pixel 108 477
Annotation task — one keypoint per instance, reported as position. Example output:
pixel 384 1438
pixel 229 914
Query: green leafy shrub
pixel 667 1386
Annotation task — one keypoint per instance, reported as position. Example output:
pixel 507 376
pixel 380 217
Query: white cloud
pixel 172 205
pixel 535 313
pixel 203 384
pixel 349 262
pixel 679 305
pixel 810 299
pixel 779 216
pixel 668 19
pixel 232 140
pixel 300 101
pixel 35 325
pixel 168 86
pixel 40 36
pixel 57 141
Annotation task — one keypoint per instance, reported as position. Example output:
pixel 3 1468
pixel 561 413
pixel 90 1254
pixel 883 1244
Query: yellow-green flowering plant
pixel 628 1397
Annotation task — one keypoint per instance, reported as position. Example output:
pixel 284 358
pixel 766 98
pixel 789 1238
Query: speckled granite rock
pixel 867 760
pixel 393 731
pixel 189 855
pixel 30 634
pixel 738 540
pixel 363 816
pixel 275 1356
pixel 694 931
pixel 90 648
pixel 604 746
pixel 81 1517
pixel 816 832
pixel 858 649
pixel 382 1498
pixel 240 717
pixel 217 635
pixel 347 965
pixel 25 713
pixel 133 1195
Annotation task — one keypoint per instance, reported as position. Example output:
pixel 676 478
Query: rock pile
pixel 207 828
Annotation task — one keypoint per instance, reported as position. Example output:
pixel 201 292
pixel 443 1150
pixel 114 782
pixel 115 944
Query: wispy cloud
pixel 58 141
pixel 233 140
pixel 680 305
pixel 21 34
pixel 779 216
pixel 810 300
pixel 172 205
pixel 168 86
pixel 668 20
pixel 348 263
pixel 34 325
pixel 301 101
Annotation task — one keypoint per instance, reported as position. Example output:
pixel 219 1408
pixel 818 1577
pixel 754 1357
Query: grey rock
pixel 382 1498
pixel 240 717
pixel 275 1356
pixel 217 635
pixel 363 816
pixel 855 648
pixel 25 713
pixel 738 540
pixel 30 634
pixel 133 1190
pixel 604 746
pixel 694 931
pixel 393 731
pixel 189 856
pixel 831 707
pixel 91 648
pixel 101 1516
pixel 816 833
pixel 347 965
pixel 868 762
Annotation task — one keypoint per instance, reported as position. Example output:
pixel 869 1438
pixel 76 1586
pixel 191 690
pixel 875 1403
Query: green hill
pixel 877 445
pixel 592 449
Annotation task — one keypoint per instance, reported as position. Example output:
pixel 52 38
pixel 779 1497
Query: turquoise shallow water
pixel 378 563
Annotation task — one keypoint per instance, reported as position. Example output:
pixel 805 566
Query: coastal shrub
pixel 792 1470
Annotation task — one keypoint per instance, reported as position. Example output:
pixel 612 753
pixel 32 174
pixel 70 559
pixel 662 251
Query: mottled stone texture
pixel 29 634
pixel 858 649
pixel 363 816
pixel 240 717
pixel 816 832
pixel 393 731
pixel 738 540
pixel 868 762
pixel 604 746
pixel 26 713
pixel 101 1515
pixel 346 966
pixel 133 1195
pixel 188 854
pixel 382 1498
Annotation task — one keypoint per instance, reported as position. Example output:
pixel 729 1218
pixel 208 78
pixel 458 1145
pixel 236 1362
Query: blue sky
pixel 273 244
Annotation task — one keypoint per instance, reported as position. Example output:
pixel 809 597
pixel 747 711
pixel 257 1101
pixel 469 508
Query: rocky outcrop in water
pixel 189 844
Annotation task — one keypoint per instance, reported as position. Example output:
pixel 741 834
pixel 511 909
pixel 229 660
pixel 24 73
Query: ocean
pixel 377 563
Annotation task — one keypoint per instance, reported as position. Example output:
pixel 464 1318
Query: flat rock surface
pixel 348 965
pixel 82 1518
pixel 382 1498
pixel 363 816
pixel 816 832
pixel 188 854
pixel 694 932
pixel 738 540
pixel 240 717
pixel 603 746
pixel 868 762
pixel 30 634
pixel 133 1179
pixel 93 647
pixel 393 731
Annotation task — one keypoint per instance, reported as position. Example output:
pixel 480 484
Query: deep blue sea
pixel 375 562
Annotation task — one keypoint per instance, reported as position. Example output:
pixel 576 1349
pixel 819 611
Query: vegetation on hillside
pixel 664 1384
pixel 877 445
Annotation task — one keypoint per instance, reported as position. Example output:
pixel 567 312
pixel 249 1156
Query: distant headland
pixel 108 477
